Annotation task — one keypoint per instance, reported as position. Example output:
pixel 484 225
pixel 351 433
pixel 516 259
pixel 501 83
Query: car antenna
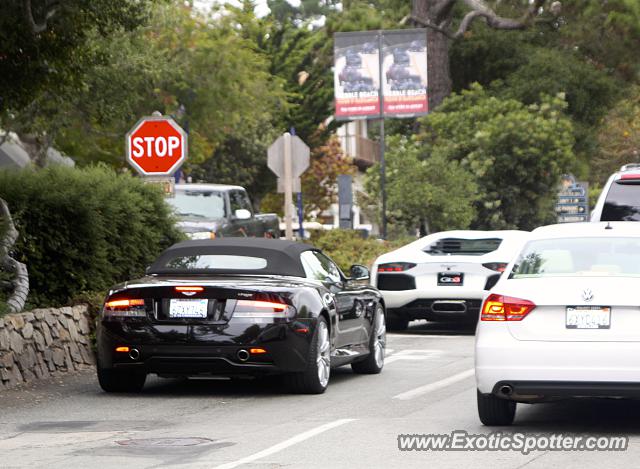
pixel 608 227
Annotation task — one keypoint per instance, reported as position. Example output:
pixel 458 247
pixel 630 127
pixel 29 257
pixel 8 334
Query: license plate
pixel 450 279
pixel 588 317
pixel 188 308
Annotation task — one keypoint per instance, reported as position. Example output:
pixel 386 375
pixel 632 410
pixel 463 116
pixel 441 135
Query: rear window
pixel 593 257
pixel 463 247
pixel 198 204
pixel 217 262
pixel 622 202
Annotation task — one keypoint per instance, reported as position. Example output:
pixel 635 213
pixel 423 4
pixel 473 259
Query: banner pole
pixel 383 174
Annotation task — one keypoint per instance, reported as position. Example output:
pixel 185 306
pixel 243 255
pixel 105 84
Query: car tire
pixel 120 380
pixel 495 411
pixel 315 378
pixel 374 362
pixel 395 323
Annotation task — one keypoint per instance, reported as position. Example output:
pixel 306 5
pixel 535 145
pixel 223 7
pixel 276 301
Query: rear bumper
pixel 543 370
pixel 286 352
pixel 439 309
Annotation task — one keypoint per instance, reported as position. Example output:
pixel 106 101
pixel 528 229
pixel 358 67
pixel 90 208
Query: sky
pixel 261 5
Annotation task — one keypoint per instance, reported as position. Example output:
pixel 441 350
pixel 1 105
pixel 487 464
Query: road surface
pixel 427 386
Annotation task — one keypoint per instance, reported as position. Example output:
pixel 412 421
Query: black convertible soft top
pixel 283 257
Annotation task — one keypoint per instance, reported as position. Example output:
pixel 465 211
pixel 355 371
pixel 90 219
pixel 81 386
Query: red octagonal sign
pixel 156 146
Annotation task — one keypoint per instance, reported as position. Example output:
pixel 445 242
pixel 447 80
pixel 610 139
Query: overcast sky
pixel 261 5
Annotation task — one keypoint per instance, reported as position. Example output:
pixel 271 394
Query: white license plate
pixel 588 317
pixel 191 308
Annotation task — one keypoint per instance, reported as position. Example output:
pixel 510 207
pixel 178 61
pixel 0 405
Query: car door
pixel 349 309
pixel 238 200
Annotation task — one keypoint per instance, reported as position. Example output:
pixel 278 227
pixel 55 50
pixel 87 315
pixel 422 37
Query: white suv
pixel 620 198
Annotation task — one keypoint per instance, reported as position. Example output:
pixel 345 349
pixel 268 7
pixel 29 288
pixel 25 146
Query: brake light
pixel 261 309
pixel 123 349
pixel 124 307
pixel 257 351
pixel 497 266
pixel 505 308
pixel 190 289
pixel 630 176
pixel 395 267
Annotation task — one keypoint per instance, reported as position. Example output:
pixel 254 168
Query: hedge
pixel 83 230
pixel 348 247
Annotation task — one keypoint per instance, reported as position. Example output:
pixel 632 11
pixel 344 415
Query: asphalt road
pixel 427 386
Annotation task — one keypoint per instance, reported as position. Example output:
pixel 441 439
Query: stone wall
pixel 42 343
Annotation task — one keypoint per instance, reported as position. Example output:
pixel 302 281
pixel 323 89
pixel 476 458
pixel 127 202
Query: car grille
pixel 396 282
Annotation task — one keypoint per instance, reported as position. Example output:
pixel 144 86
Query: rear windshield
pixel 594 257
pixel 198 204
pixel 217 262
pixel 463 247
pixel 622 202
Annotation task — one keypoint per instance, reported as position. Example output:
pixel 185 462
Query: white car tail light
pixel 505 308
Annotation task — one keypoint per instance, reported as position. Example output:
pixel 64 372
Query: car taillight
pixel 124 308
pixel 262 309
pixel 395 267
pixel 505 308
pixel 497 266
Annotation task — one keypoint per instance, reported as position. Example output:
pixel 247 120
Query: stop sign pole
pixel 156 146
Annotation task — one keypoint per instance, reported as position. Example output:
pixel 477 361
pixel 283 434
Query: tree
pixel 516 153
pixel 619 138
pixel 438 15
pixel 419 188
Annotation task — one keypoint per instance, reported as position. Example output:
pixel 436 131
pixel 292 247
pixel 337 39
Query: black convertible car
pixel 241 306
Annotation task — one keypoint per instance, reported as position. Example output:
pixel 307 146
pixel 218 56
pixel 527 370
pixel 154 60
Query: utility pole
pixel 288 187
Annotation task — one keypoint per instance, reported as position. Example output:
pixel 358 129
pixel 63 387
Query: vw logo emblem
pixel 587 294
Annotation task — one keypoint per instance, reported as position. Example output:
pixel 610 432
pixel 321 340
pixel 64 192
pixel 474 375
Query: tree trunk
pixel 20 282
pixel 437 16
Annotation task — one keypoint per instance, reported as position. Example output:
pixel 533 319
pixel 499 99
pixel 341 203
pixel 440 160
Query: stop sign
pixel 156 146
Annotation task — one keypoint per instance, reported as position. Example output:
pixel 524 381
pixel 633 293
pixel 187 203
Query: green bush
pixel 84 229
pixel 348 247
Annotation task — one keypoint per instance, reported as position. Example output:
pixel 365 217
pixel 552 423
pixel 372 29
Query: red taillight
pixel 262 305
pixel 395 267
pixel 497 266
pixel 124 307
pixel 123 304
pixel 261 309
pixel 505 308
pixel 630 176
pixel 190 289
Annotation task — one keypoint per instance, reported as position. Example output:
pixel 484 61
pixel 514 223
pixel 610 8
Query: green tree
pixel 515 152
pixel 421 189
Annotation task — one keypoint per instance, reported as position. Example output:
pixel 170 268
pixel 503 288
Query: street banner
pixel 357 75
pixel 363 59
pixel 404 73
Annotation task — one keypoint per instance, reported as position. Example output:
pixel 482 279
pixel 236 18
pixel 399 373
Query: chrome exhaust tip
pixel 134 354
pixel 242 355
pixel 506 390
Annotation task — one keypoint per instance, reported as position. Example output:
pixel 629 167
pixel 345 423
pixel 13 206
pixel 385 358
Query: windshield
pixel 463 247
pixel 199 204
pixel 622 202
pixel 579 257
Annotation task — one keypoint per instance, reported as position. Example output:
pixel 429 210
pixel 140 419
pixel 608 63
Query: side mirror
pixel 359 272
pixel 242 214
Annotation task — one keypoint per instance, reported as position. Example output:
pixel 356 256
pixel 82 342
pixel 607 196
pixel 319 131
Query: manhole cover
pixel 165 442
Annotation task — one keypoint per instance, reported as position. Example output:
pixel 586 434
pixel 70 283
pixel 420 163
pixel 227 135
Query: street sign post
pixel 156 146
pixel 288 157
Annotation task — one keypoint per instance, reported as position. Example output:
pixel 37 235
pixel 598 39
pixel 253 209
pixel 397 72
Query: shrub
pixel 84 229
pixel 348 247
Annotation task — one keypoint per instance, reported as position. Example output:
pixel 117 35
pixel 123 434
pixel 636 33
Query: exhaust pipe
pixel 242 355
pixel 506 390
pixel 134 354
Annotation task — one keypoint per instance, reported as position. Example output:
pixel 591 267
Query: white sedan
pixel 443 276
pixel 563 321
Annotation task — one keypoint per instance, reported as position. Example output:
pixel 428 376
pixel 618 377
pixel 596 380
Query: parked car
pixel 562 321
pixel 443 276
pixel 241 307
pixel 620 197
pixel 207 211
